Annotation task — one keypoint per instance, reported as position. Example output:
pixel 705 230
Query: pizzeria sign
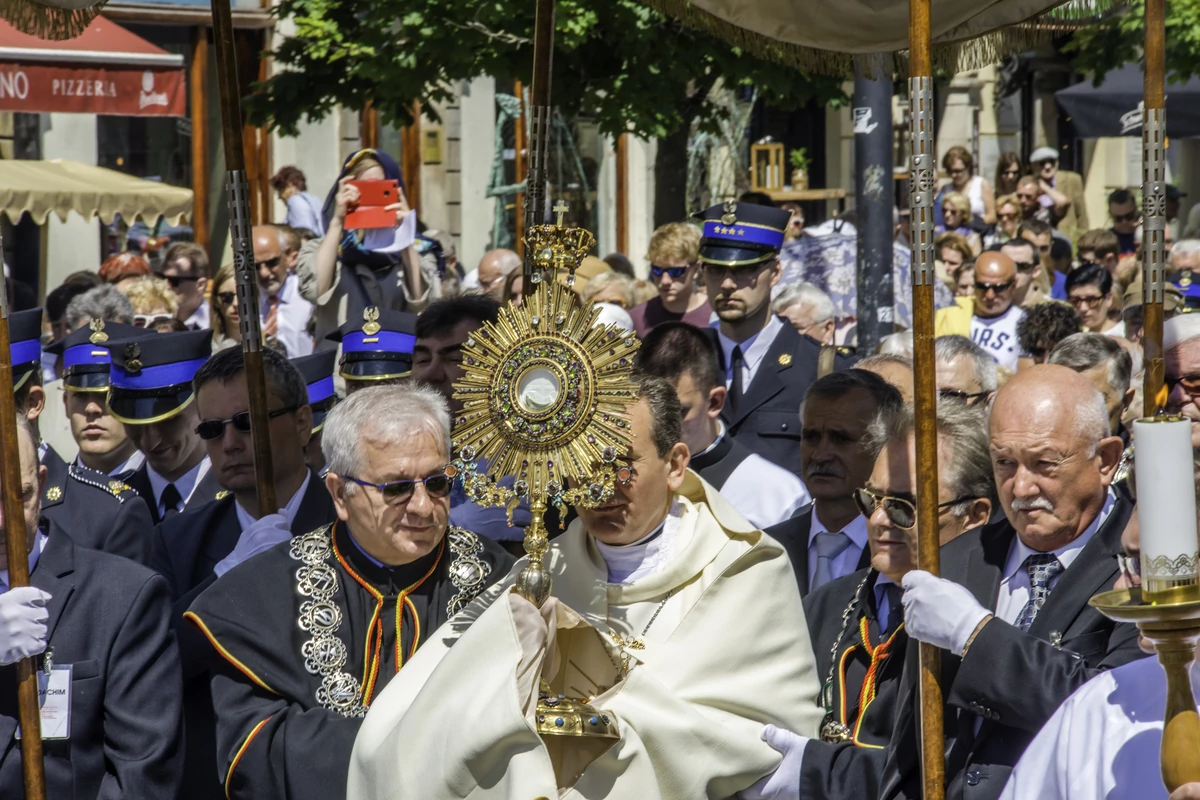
pixel 93 89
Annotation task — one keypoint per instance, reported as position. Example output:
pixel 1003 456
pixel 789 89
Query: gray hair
pixel 837 385
pixel 603 281
pixel 1091 421
pixel 896 344
pixel 806 294
pixel 1185 247
pixel 1084 351
pixel 885 358
pixel 948 348
pixel 389 414
pixel 965 460
pixel 1180 330
pixel 102 302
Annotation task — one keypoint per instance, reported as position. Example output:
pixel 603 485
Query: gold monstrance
pixel 546 395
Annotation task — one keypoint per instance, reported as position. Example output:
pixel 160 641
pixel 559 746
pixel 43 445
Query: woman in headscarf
pixel 348 270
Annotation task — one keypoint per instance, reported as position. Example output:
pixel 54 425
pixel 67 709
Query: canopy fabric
pixel 1114 108
pixel 826 35
pixel 39 187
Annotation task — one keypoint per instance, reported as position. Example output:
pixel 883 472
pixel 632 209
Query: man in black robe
pixel 311 631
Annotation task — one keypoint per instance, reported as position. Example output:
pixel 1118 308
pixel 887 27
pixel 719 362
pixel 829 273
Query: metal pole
pixel 539 122
pixel 923 186
pixel 28 712
pixel 1154 208
pixel 238 189
pixel 873 201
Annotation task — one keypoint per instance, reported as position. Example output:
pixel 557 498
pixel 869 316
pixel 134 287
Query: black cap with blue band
pixel 25 344
pixel 86 357
pixel 379 347
pixel 152 376
pixel 317 370
pixel 741 234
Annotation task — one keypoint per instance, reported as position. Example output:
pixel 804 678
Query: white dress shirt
pixel 199 320
pixel 754 350
pixel 289 511
pixel 130 465
pixel 39 544
pixel 1014 587
pixel 765 493
pixel 846 561
pixel 292 319
pixel 185 484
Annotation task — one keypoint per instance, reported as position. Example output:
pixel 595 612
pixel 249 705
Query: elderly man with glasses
pixel 990 316
pixel 284 313
pixel 309 634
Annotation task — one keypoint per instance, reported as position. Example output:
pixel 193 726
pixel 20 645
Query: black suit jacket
pixel 793 535
pixel 97 511
pixel 186 549
pixel 767 419
pixel 109 621
pixel 1012 680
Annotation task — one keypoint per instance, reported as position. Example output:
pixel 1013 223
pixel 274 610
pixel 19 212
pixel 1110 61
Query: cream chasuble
pixel 727 653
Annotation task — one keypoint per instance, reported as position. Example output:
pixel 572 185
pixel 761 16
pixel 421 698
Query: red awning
pixel 104 70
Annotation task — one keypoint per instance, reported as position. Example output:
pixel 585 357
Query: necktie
pixel 895 607
pixel 738 362
pixel 170 500
pixel 271 323
pixel 1042 568
pixel 829 546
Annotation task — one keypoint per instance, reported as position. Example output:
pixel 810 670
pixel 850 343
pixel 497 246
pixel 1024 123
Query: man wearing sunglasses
pixel 283 312
pixel 185 267
pixel 674 256
pixel 856 622
pixel 193 548
pixel 383 577
pixel 1123 209
pixel 990 316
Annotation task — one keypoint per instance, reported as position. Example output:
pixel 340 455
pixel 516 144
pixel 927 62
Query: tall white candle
pixel 1166 502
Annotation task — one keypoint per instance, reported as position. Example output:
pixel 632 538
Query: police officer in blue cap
pixel 95 510
pixel 317 370
pixel 768 364
pixel 376 349
pixel 152 394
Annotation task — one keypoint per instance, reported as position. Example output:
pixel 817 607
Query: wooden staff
pixel 28 712
pixel 238 189
pixel 1154 209
pixel 539 124
pixel 923 183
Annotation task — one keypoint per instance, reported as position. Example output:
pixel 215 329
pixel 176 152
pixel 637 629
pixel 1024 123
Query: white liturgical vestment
pixel 726 650
pixel 1103 743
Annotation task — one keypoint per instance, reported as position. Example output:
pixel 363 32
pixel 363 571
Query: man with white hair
pixel 809 309
pixel 309 632
pixel 1181 350
pixel 966 373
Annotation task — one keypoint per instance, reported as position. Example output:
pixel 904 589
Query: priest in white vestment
pixel 716 647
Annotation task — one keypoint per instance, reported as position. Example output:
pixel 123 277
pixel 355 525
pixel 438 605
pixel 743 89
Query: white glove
pixel 785 780
pixel 23 618
pixel 940 612
pixel 262 535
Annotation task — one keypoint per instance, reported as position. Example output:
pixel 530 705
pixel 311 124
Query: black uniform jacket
pixel 767 419
pixel 97 511
pixel 109 621
pixel 275 738
pixel 1011 681
pixel 793 535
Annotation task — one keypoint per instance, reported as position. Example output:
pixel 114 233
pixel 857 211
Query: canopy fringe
pixel 952 57
pixel 48 21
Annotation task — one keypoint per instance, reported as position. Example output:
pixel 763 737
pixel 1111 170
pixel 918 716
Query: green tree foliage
pixel 1099 48
pixel 618 61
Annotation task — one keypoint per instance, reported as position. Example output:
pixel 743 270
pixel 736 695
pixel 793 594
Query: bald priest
pixel 669 613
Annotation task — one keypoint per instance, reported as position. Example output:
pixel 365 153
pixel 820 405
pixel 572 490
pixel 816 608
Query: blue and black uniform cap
pixel 378 347
pixel 86 357
pixel 317 370
pixel 741 234
pixel 25 348
pixel 152 376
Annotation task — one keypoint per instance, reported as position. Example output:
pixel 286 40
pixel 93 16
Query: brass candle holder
pixel 1172 624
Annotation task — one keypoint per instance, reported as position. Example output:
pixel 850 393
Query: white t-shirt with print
pixel 998 336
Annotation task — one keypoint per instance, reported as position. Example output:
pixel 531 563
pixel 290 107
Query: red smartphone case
pixel 373 198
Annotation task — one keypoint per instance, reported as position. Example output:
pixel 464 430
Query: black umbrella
pixel 1114 108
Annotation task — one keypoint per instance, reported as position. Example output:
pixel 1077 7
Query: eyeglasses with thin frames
pixel 1189 383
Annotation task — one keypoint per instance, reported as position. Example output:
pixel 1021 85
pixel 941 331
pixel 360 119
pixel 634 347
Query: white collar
pixel 289 510
pixel 199 317
pixel 626 563
pixel 1019 551
pixel 131 464
pixel 856 529
pixel 287 292
pixel 185 484
pixel 715 442
pixel 39 545
pixel 754 348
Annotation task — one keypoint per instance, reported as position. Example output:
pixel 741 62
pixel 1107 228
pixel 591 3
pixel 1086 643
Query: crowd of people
pixel 746 606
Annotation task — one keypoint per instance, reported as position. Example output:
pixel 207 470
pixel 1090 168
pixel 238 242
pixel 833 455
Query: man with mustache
pixel 769 365
pixel 829 538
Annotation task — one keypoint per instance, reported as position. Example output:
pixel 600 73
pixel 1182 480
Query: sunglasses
pixel 398 492
pixel 1190 384
pixel 1130 217
pixel 675 272
pixel 998 288
pixel 1005 215
pixel 227 298
pixel 270 263
pixel 900 512
pixel 178 280
pixel 1025 266
pixel 150 320
pixel 210 429
pixel 960 396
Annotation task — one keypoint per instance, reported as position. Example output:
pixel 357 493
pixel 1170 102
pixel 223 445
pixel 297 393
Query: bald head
pixel 997 274
pixel 1052 455
pixel 494 267
pixel 268 259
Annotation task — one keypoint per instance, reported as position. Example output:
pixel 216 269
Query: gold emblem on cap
pixel 98 335
pixel 133 358
pixel 371 326
pixel 54 493
pixel 116 487
pixel 730 215
pixel 1186 280
pixel 785 359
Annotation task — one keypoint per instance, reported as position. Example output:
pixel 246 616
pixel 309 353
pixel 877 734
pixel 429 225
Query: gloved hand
pixel 23 618
pixel 940 612
pixel 784 782
pixel 262 535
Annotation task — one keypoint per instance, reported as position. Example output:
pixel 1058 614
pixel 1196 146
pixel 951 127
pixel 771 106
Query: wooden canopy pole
pixel 28 712
pixel 1154 208
pixel 539 123
pixel 923 185
pixel 245 270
